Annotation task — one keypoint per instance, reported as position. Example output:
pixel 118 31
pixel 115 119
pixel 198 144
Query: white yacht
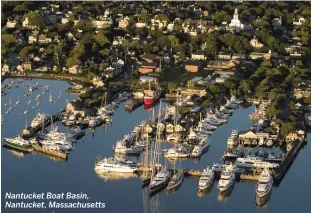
pixel 265 184
pixel 121 148
pixel 201 147
pixel 193 135
pixel 71 120
pixel 227 179
pixel 38 120
pixel 160 180
pixel 93 122
pixel 174 137
pixel 176 153
pixel 232 140
pixel 108 165
pixel 255 162
pixel 206 179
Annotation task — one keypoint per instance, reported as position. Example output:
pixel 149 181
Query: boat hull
pixel 157 187
pixel 149 100
pixel 19 147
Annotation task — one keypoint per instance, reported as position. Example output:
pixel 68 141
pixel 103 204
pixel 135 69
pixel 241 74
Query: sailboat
pixel 26 111
pixel 177 179
pixel 10 102
pixel 60 94
pixel 17 102
pixel 162 178
pixel 146 177
pixel 30 101
pixel 50 99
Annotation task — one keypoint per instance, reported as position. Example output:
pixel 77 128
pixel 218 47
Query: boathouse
pixel 77 109
pixel 252 134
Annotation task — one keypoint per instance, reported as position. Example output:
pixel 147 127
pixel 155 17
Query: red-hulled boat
pixel 153 97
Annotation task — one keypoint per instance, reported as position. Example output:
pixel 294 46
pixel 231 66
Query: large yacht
pixel 38 120
pixel 226 180
pixel 265 183
pixel 113 165
pixel 174 137
pixel 201 147
pixel 177 152
pixel 255 162
pixel 206 179
pixel 121 148
pixel 19 143
pixel 160 180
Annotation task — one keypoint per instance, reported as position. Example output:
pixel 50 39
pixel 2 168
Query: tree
pixel 21 9
pixel 35 19
pixel 101 39
pixel 8 39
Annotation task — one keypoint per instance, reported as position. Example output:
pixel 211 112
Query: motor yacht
pixel 227 180
pixel 201 147
pixel 206 179
pixel 265 184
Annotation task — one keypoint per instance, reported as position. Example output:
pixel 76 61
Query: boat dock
pixel 30 132
pixel 132 104
pixel 286 163
pixel 50 152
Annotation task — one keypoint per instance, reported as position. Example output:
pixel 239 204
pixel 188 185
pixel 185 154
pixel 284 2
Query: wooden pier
pixel 286 163
pixel 132 104
pixel 50 152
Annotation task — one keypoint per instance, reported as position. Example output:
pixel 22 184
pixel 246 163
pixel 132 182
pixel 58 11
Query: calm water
pixel 38 173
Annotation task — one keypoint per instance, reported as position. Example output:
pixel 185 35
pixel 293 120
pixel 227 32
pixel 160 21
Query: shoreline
pixel 70 80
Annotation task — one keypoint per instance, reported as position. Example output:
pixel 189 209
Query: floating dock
pixel 50 152
pixel 286 163
pixel 132 104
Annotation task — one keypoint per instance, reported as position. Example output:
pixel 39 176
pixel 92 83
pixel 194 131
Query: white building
pixel 299 22
pixel 170 27
pixel 11 24
pixel 140 24
pixel 64 20
pixel 124 22
pixel 255 43
pixel 235 22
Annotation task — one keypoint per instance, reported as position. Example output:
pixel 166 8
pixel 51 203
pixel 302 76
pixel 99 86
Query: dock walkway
pixel 50 152
pixel 286 163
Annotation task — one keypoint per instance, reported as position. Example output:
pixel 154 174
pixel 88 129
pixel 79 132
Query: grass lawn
pixel 178 74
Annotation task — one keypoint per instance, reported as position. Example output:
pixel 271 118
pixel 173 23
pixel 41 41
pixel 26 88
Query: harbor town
pixel 155 103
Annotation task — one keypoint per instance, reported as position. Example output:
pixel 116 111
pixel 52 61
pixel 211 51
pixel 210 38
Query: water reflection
pixel 18 154
pixel 50 156
pixel 224 196
pixel 262 201
pixel 107 176
pixel 202 193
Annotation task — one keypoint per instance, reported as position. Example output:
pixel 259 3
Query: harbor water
pixel 38 173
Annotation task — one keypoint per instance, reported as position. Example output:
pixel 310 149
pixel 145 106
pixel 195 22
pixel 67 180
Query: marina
pixel 191 167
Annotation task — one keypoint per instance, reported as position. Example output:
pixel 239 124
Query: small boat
pixel 50 99
pixel 60 95
pixel 206 179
